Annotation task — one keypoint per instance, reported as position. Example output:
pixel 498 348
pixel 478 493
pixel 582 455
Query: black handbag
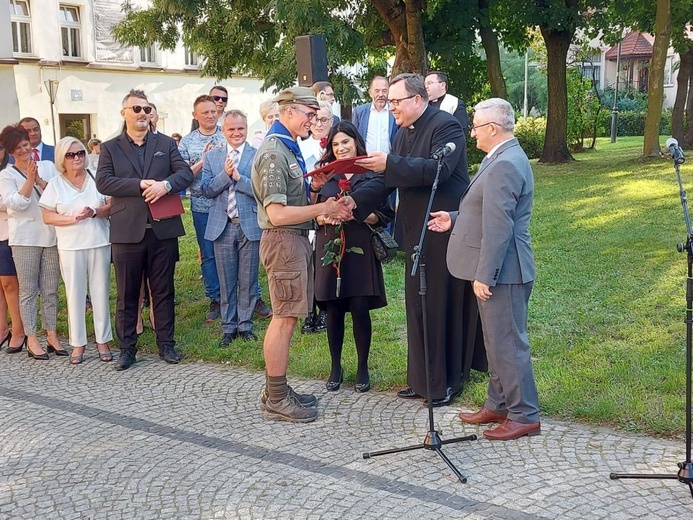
pixel 384 246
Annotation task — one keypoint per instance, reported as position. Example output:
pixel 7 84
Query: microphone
pixel 675 151
pixel 443 151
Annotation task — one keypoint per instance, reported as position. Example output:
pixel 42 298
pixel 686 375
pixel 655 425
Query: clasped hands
pixel 152 190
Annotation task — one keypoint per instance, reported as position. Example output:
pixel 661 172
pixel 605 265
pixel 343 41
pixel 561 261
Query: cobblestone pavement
pixel 188 441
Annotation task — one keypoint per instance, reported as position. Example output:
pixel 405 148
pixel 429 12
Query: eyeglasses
pixel 395 102
pixel 71 155
pixel 220 98
pixel 474 127
pixel 309 115
pixel 137 109
pixel 322 120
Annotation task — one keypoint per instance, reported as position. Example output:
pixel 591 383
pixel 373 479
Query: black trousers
pixel 158 259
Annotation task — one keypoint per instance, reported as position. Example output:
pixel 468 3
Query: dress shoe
pixel 450 395
pixel 262 310
pixel 321 322
pixel 247 335
pixel 362 387
pixel 14 350
pixel 6 339
pixel 510 430
pixel 333 386
pixel 309 324
pixel 408 393
pixel 170 356
pixel 58 351
pixel 213 313
pixel 227 339
pixel 43 356
pixel 125 361
pixel 483 416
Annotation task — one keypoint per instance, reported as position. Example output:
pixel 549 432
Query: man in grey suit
pixel 490 247
pixel 232 227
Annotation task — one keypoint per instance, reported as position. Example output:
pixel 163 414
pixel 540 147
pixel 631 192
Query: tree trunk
pixel 493 63
pixel 678 112
pixel 555 142
pixel 403 18
pixel 689 114
pixel 655 86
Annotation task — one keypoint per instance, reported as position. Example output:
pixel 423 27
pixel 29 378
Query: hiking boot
pixel 321 322
pixel 262 310
pixel 309 324
pixel 305 400
pixel 289 409
pixel 214 312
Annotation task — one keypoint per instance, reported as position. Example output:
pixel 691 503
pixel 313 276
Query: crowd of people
pixel 277 202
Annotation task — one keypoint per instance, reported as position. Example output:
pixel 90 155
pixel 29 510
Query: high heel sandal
pixel 7 339
pixel 76 359
pixel 58 351
pixel 333 386
pixel 105 356
pixel 40 357
pixel 14 350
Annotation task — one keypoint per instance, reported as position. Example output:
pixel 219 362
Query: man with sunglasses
pixel 451 321
pixel 285 214
pixel 221 98
pixel 136 168
pixel 193 148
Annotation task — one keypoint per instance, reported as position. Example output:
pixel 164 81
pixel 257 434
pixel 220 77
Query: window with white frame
pixel 21 26
pixel 191 59
pixel 148 54
pixel 668 71
pixel 70 31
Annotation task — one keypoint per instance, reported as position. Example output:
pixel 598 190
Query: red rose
pixel 344 185
pixel 323 142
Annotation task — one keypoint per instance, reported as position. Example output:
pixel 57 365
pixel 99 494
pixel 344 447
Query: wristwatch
pixel 167 185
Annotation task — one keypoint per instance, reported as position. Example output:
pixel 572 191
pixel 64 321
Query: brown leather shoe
pixel 483 416
pixel 510 430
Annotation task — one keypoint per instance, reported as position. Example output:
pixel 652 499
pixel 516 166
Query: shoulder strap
pixel 20 172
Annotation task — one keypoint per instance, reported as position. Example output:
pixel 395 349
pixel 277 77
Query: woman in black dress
pixel 362 287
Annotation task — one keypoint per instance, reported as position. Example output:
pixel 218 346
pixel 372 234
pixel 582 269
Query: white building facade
pixel 60 65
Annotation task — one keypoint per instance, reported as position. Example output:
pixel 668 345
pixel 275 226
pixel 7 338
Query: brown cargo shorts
pixel 288 260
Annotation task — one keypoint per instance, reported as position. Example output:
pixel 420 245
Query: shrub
pixel 530 132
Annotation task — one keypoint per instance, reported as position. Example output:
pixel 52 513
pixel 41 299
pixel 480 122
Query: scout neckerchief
pixel 279 131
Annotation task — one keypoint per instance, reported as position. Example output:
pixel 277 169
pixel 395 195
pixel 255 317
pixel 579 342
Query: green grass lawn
pixel 607 312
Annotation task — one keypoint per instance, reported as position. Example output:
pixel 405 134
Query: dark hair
pixel 320 85
pixel 153 107
pixel 442 77
pixel 139 94
pixel 11 136
pixel 27 119
pixel 413 84
pixel 348 128
pixel 219 87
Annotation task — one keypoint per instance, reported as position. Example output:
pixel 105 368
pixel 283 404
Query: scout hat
pixel 297 95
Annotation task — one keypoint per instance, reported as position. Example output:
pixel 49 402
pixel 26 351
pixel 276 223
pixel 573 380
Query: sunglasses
pixel 71 155
pixel 137 109
pixel 220 98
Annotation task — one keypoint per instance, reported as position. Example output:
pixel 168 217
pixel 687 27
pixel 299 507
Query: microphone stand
pixel 685 473
pixel 432 441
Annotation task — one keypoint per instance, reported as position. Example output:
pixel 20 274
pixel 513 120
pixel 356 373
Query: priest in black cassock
pixel 453 324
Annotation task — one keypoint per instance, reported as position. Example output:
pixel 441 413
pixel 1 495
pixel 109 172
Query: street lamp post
pixel 614 112
pixel 52 88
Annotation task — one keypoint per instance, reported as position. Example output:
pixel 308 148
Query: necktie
pixel 35 155
pixel 231 209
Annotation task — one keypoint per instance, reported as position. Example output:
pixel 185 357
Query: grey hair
pixel 234 112
pixel 502 111
pixel 324 105
pixel 139 94
pixel 413 84
pixel 61 149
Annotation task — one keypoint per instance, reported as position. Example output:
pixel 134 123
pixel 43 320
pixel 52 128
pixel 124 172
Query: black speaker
pixel 311 59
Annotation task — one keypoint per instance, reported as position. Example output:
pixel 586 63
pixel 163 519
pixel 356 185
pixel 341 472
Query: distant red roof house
pixel 634 45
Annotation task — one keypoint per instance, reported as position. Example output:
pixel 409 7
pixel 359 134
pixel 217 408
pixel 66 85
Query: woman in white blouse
pixel 32 241
pixel 79 213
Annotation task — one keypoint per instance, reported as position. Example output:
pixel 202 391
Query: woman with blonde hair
pixel 79 213
pixel 32 242
pixel 269 111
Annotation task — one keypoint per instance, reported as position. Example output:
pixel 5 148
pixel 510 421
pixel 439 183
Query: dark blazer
pixel 362 114
pixel 215 186
pixel 490 236
pixel 119 175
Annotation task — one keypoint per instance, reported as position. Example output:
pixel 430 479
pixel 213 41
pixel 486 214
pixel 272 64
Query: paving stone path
pixel 188 441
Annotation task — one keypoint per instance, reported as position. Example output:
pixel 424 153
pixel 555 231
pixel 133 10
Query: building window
pixel 191 59
pixel 21 26
pixel 70 29
pixel 668 72
pixel 148 54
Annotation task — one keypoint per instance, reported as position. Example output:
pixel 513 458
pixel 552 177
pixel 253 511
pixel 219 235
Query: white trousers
pixel 80 268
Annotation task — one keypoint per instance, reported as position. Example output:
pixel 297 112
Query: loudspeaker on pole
pixel 311 59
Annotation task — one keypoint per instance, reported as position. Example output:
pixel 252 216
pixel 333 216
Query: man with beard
pixel 451 309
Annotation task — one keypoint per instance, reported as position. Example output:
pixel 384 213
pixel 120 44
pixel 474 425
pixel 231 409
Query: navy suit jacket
pixel 362 114
pixel 119 175
pixel 215 185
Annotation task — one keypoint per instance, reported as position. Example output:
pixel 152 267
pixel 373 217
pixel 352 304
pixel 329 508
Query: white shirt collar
pixel 230 148
pixel 493 150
